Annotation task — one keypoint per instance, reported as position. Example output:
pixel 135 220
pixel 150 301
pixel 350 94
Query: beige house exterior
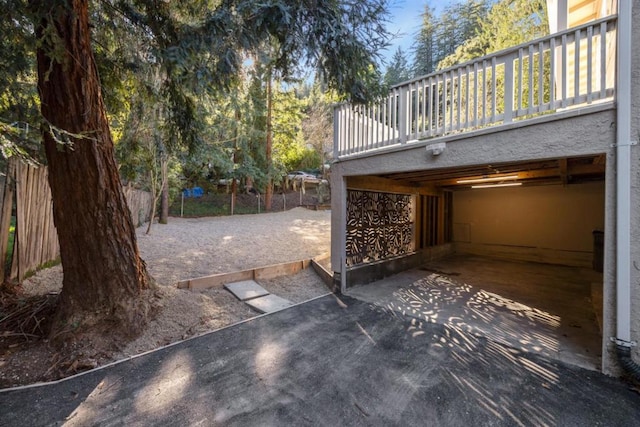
pixel 528 154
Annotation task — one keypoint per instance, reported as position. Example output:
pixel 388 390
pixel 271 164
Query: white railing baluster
pixel 494 87
pixel 387 122
pixel 520 91
pixel 484 92
pixel 540 76
pixel 603 60
pixel 564 70
pixel 415 111
pixel 589 64
pixel 445 101
pixel 468 97
pixel 376 124
pixel 394 115
pixel 436 104
pixel 430 108
pixel 356 126
pixel 421 109
pixel 349 129
pixel 402 116
pixel 552 74
pixel 338 129
pixel 530 83
pixel 346 125
pixel 452 102
pixel 365 126
pixel 418 111
pixel 459 96
pixel 362 141
pixel 475 95
pixel 576 66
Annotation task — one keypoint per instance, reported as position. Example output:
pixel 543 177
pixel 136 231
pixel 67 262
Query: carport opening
pixel 527 232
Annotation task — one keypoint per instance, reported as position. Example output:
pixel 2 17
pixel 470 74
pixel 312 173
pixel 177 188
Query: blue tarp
pixel 193 192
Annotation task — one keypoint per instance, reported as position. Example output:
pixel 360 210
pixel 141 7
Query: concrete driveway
pixel 331 361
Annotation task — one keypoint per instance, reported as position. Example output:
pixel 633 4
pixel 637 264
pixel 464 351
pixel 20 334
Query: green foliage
pixel 508 23
pixel 209 205
pixel 46 265
pixel 288 140
pixel 19 102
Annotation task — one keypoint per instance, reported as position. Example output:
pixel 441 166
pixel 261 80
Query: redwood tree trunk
pixel 104 277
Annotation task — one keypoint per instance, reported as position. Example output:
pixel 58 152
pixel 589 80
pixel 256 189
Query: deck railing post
pixel 403 114
pixel 336 130
pixel 508 89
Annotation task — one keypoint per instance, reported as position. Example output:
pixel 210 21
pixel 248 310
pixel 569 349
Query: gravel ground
pixel 194 247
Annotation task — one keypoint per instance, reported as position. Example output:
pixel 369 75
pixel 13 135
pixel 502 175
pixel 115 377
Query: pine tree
pixel 424 47
pixel 398 70
pixel 440 36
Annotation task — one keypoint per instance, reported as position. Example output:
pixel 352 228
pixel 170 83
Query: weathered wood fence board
pixel 32 246
pixel 140 204
pixel 5 216
pixel 35 238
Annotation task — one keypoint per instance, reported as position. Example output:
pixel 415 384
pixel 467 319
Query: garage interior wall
pixel 551 223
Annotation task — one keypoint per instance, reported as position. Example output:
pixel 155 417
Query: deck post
pixel 508 89
pixel 336 131
pixel 403 115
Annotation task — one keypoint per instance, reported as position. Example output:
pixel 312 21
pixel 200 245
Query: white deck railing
pixel 572 68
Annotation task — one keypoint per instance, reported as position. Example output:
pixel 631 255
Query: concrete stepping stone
pixel 246 290
pixel 269 303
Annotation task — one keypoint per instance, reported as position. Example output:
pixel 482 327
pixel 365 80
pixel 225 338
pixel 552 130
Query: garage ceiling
pixel 545 172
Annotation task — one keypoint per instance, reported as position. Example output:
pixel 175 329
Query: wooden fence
pixel 35 239
pixel 140 204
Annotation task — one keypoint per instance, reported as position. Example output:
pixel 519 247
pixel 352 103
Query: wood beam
pixel 562 166
pixel 374 183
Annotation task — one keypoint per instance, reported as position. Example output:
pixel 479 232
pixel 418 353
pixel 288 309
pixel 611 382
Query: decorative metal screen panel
pixel 379 226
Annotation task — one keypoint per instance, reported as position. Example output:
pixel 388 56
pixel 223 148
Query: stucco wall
pixel 609 363
pixel 579 132
pixel 635 186
pixel 635 182
pixel 553 218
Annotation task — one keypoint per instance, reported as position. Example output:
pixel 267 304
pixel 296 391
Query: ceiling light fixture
pixel 506 184
pixel 487 179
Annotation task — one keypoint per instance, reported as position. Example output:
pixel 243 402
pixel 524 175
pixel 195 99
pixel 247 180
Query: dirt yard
pixel 184 249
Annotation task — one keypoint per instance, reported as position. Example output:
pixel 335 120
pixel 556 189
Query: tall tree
pixel 398 70
pixel 104 278
pixel 424 46
pixel 441 35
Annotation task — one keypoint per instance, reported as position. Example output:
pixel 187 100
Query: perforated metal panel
pixel 379 226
